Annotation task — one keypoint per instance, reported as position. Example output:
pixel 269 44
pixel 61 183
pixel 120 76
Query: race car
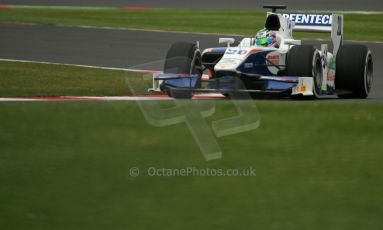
pixel 271 63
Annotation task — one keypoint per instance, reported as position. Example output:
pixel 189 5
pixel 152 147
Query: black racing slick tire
pixel 182 58
pixel 305 61
pixel 354 71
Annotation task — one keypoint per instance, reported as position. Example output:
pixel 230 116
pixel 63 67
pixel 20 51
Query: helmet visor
pixel 264 41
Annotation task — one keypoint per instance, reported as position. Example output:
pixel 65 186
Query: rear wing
pixel 311 22
pixel 314 22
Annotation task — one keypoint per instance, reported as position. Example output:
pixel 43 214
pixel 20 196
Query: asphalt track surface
pixel 347 5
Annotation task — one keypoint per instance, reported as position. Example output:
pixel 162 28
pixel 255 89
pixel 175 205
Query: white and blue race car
pixel 272 62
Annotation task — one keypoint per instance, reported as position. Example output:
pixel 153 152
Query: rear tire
pixel 354 71
pixel 305 61
pixel 182 58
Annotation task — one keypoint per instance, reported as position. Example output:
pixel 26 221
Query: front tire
pixel 182 58
pixel 305 61
pixel 354 71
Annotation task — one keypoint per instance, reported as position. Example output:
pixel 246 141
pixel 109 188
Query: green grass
pixel 357 26
pixel 65 165
pixel 31 79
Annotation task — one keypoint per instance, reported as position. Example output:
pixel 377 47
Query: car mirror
pixel 227 41
pixel 292 42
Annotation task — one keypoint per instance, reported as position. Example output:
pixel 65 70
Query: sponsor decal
pixel 235 51
pixel 310 19
pixel 303 88
pixel 274 59
pixel 331 73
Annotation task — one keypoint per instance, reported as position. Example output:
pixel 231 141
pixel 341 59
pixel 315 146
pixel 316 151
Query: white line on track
pixel 75 65
pixel 204 76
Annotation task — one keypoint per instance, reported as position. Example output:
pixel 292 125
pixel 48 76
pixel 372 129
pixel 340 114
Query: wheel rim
pixel 195 67
pixel 368 73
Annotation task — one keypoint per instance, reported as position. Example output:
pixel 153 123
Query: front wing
pixel 228 84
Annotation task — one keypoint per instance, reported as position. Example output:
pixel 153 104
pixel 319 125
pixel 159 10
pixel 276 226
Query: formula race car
pixel 271 63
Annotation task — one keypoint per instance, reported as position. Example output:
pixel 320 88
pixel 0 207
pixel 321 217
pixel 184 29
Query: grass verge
pixel 66 166
pixel 32 79
pixel 357 26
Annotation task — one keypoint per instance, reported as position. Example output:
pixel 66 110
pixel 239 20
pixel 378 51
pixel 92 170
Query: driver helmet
pixel 265 38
